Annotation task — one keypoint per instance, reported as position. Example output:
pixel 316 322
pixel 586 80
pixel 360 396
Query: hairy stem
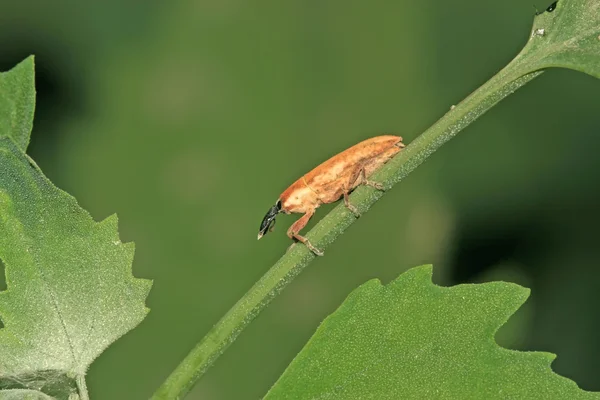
pixel 333 225
pixel 82 388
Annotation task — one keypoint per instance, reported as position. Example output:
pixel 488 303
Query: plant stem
pixel 82 387
pixel 455 120
pixel 179 383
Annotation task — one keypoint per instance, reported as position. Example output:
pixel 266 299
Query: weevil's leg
pixel 297 227
pixel 272 226
pixel 348 205
pixel 360 174
pixel 365 181
pixel 346 188
pixel 308 244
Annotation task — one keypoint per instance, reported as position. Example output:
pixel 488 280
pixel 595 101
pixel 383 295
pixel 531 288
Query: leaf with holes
pixel 412 339
pixel 567 35
pixel 70 290
pixel 17 103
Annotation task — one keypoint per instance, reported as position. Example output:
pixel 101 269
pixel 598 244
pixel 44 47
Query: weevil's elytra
pixel 330 181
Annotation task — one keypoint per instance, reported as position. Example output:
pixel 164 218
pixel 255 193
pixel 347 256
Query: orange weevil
pixel 331 180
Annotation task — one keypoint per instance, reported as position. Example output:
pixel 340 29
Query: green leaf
pixel 412 339
pixel 70 289
pixel 23 394
pixel 567 36
pixel 17 102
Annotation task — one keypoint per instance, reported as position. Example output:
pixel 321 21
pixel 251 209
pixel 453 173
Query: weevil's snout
pixel 268 221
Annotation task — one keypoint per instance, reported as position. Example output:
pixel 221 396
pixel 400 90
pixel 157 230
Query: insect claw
pixel 353 209
pixel 308 244
pixel 375 185
pixel 314 249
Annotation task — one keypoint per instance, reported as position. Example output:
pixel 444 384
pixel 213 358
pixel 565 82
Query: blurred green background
pixel 189 118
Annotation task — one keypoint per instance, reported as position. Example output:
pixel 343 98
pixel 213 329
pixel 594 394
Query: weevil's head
pixel 268 221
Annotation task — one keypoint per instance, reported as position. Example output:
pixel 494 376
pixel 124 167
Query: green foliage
pixel 567 36
pixel 70 292
pixel 17 102
pixel 412 339
pixel 560 34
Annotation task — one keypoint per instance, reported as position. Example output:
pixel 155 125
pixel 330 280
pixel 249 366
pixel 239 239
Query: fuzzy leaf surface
pixel 17 102
pixel 70 289
pixel 566 35
pixel 412 339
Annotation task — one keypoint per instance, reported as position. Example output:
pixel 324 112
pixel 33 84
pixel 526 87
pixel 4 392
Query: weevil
pixel 330 181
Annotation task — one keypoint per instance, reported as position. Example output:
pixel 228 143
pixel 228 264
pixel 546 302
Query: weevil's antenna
pixel 269 220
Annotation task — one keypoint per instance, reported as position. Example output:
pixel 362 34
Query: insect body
pixel 327 183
